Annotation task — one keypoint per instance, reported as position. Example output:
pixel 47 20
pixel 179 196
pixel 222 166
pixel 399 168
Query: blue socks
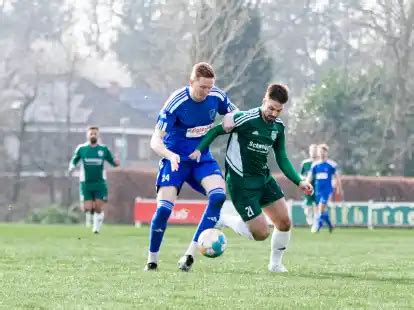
pixel 216 198
pixel 324 217
pixel 159 224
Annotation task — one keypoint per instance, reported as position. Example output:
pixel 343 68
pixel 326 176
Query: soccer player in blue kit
pixel 184 119
pixel 324 174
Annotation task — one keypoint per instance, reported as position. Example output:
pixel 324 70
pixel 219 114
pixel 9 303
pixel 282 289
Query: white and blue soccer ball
pixel 212 242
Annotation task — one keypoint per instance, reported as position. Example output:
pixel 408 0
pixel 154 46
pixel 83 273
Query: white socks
pixel 308 213
pixel 192 248
pixel 280 240
pixel 88 218
pixel 97 221
pixel 153 257
pixel 236 223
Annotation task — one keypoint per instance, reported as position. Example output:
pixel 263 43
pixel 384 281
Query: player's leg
pixel 166 198
pixel 317 217
pixel 100 198
pixel 98 215
pixel 323 215
pixel 88 218
pixel 251 222
pixel 246 204
pixel 324 211
pixel 168 184
pixel 86 202
pixel 209 176
pixel 308 209
pixel 277 210
pixel 278 214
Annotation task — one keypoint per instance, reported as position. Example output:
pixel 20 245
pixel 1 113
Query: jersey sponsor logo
pixel 93 161
pixel 212 114
pixel 274 135
pixel 257 147
pixel 199 131
pixel 100 153
pixel 321 176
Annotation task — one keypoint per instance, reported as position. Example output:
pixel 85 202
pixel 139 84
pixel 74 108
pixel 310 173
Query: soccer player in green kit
pixel 249 182
pixel 92 187
pixel 309 204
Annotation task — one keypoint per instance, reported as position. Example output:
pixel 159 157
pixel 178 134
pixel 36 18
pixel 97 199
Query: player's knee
pixel 284 224
pixel 261 234
pixel 86 207
pixel 217 197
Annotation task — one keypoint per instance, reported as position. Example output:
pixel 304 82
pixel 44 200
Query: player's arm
pixel 158 146
pixel 338 184
pixel 286 165
pixel 228 125
pixel 208 138
pixel 74 160
pixel 228 109
pixel 110 158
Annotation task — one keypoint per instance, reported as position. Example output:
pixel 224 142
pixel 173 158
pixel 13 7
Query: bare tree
pixel 28 94
pixel 392 23
pixel 219 38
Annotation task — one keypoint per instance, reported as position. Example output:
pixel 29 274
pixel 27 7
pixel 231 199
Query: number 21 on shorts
pixel 249 211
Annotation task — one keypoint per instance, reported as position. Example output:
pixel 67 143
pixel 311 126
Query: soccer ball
pixel 212 242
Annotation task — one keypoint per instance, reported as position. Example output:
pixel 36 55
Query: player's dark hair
pixel 202 69
pixel 277 92
pixel 93 128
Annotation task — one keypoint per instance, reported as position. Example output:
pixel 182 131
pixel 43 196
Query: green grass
pixel 68 267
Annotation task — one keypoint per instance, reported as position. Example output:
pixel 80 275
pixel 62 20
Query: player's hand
pixel 174 161
pixel 306 187
pixel 70 171
pixel 196 155
pixel 117 162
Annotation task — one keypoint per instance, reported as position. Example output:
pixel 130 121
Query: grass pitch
pixel 55 267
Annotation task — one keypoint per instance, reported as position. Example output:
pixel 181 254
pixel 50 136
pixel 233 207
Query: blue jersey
pixel 322 173
pixel 186 121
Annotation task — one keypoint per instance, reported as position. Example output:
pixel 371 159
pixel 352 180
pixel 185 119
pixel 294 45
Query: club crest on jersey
pixel 100 153
pixel 212 114
pixel 274 135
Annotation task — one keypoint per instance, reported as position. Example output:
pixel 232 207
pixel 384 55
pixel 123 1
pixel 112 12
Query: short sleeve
pixel 225 105
pixel 241 117
pixel 166 120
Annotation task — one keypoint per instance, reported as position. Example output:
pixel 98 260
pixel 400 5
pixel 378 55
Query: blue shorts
pixel 188 171
pixel 323 197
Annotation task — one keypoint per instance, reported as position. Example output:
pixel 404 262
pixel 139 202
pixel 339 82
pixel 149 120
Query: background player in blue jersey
pixel 323 173
pixel 184 119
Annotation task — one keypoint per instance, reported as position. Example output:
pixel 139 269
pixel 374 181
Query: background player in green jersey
pixel 249 182
pixel 92 186
pixel 309 200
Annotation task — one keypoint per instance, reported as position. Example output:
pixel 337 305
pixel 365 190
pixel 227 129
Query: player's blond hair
pixel 323 146
pixel 202 69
